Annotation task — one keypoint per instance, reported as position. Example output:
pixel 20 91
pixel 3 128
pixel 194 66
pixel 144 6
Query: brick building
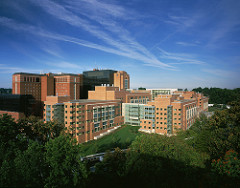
pixel 167 113
pixel 85 119
pixel 121 80
pixel 42 85
pixel 161 91
pixel 113 93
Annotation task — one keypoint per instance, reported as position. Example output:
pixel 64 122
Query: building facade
pixel 18 106
pixel 169 113
pixel 39 86
pixel 113 93
pixel 121 80
pixel 161 91
pixel 86 119
pixel 94 78
pixel 133 113
pixel 54 108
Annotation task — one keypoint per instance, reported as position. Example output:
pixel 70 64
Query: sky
pixel 159 43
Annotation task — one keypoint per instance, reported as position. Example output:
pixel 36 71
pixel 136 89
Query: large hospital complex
pixel 95 103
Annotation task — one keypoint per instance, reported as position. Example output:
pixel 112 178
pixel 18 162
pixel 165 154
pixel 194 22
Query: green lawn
pixel 121 138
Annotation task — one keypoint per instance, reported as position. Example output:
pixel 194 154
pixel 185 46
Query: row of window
pixel 162 122
pixel 31 79
pixel 164 128
pixel 75 106
pixel 166 109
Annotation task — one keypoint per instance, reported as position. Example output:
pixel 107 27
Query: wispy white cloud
pixel 66 65
pixel 127 52
pixel 10 69
pixel 221 73
pixel 186 44
pixel 179 58
pixel 116 37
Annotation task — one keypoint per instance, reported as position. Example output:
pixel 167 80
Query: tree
pixel 229 165
pixel 30 166
pixel 36 129
pixel 64 161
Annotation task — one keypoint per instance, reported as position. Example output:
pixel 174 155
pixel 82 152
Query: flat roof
pixel 26 73
pixel 54 74
pixel 91 100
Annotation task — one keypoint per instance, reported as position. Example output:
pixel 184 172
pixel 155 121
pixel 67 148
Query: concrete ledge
pixel 107 132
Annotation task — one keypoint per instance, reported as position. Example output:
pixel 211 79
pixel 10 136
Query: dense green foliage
pixel 220 96
pixel 37 154
pixel 121 138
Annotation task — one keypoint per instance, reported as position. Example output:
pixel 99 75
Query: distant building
pixel 84 119
pixel 42 85
pixel 18 106
pixel 161 91
pixel 106 77
pixel 121 80
pixel 96 78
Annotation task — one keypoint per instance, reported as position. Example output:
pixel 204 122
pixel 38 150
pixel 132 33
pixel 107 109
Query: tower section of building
pixel 27 84
pixel 96 77
pixel 68 85
pixel 122 80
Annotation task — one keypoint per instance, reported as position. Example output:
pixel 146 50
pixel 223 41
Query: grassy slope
pixel 121 138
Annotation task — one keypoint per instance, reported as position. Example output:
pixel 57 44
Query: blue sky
pixel 160 43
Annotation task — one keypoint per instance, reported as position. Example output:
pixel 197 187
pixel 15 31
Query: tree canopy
pixel 220 96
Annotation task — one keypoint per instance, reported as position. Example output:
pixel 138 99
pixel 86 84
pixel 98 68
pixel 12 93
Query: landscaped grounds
pixel 121 138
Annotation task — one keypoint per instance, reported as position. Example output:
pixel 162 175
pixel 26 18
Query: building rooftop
pixel 54 74
pixel 90 101
pixel 26 73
